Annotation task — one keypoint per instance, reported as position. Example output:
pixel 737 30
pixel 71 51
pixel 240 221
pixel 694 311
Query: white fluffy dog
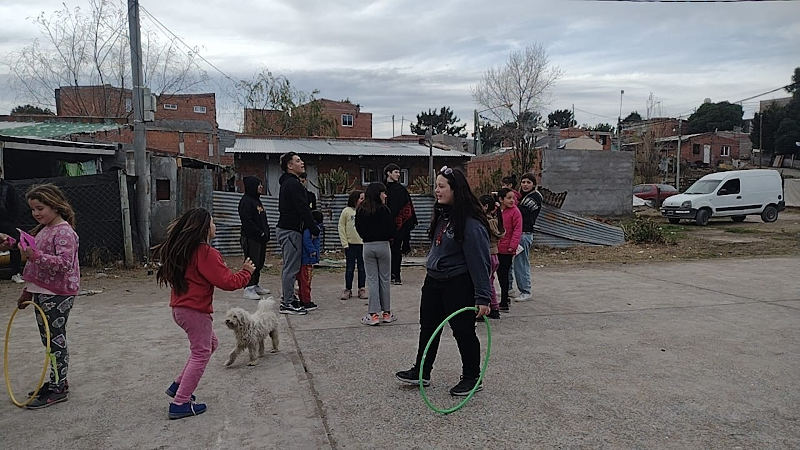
pixel 251 330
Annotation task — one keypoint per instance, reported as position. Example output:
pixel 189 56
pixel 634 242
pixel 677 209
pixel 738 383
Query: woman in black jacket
pixel 254 233
pixel 375 226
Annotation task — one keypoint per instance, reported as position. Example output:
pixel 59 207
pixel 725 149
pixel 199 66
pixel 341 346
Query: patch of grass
pixel 741 230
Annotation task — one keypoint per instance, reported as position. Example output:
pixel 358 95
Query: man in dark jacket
pixel 295 216
pixel 312 197
pixel 405 219
pixel 8 214
pixel 254 233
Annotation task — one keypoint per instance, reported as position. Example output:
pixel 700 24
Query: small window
pixel 128 105
pixel 171 106
pixel 200 109
pixel 162 189
pixel 369 175
pixel 695 149
pixel 404 177
pixel 726 150
pixel 347 120
pixel 730 187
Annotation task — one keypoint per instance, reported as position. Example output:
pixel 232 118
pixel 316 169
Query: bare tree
pixel 274 106
pixel 91 48
pixel 516 92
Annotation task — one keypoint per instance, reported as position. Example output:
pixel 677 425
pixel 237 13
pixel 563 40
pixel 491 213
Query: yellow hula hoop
pixel 46 356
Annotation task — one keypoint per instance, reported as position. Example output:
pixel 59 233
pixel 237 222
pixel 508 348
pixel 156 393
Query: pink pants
pixel 202 343
pixel 495 263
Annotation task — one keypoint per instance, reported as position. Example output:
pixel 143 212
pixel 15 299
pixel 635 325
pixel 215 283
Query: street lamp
pixel 476 130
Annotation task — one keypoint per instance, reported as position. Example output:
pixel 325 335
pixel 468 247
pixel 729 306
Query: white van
pixel 735 194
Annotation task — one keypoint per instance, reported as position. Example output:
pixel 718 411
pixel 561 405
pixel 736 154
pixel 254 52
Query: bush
pixel 643 230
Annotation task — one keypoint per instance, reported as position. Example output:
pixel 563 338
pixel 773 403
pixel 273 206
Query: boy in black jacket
pixel 254 233
pixel 295 216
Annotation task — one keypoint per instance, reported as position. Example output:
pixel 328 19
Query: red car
pixel 654 191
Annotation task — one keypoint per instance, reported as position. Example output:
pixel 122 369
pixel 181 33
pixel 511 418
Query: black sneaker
pixel 463 388
pixel 493 314
pixel 310 306
pixel 293 308
pixel 411 376
pixel 397 282
pixel 46 386
pixel 51 397
pixel 504 308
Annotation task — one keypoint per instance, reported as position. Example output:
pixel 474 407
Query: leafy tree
pixel 765 126
pixel 515 91
pixel 282 109
pixel 31 109
pixel 786 137
pixel 602 127
pixel 561 118
pixel 794 88
pixel 634 116
pixel 715 116
pixel 443 121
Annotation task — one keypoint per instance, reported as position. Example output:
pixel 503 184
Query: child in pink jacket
pixel 507 246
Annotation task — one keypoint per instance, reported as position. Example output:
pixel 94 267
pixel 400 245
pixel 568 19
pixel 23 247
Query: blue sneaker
pixel 187 409
pixel 172 390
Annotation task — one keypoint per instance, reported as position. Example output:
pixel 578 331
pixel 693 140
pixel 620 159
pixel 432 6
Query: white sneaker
pixel 17 278
pixel 513 293
pixel 262 291
pixel 523 297
pixel 250 293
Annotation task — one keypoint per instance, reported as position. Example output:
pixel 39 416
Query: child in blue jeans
pixel 311 249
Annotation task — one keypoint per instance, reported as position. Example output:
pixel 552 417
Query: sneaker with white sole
pixel 250 293
pixel 388 317
pixel 411 376
pixel 465 386
pixel 293 308
pixel 523 297
pixel 346 294
pixel 261 291
pixel 17 278
pixel 371 319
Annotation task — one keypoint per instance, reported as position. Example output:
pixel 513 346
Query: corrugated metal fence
pixel 226 217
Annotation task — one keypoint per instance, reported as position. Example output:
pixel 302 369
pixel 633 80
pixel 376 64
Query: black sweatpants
pixel 440 298
pixel 503 272
pixel 396 246
pixel 56 308
pixel 257 252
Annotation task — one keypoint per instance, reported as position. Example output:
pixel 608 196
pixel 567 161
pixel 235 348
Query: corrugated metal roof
pixel 345 147
pixel 57 129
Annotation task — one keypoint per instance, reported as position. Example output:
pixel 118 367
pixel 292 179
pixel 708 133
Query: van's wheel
pixel 738 218
pixel 702 217
pixel 673 220
pixel 770 214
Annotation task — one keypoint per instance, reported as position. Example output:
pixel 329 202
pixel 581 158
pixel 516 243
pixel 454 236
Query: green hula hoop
pixel 483 369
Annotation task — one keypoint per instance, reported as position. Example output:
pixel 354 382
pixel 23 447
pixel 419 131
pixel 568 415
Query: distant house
pixel 708 149
pixel 350 121
pixel 362 159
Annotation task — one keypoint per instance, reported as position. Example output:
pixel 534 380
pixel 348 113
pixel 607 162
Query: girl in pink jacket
pixel 507 246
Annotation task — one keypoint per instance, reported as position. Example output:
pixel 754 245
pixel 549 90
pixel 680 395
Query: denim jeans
pixel 522 264
pixel 355 257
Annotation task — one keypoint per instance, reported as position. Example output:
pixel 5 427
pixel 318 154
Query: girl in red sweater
pixel 507 246
pixel 192 268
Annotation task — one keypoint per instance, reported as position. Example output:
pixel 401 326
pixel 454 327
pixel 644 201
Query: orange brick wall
pixel 186 104
pixel 362 121
pixel 482 166
pixel 91 101
pixel 716 143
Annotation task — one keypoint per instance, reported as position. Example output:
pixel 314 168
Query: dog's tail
pixel 266 304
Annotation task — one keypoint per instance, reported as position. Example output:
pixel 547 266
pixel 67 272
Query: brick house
pixel 350 121
pixel 711 148
pixel 362 159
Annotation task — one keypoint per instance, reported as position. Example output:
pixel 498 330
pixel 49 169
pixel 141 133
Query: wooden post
pixel 126 217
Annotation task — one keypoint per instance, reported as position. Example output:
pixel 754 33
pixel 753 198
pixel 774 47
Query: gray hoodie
pixel 449 258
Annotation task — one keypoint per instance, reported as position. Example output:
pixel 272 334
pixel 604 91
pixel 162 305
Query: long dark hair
pixel 52 196
pixel 492 209
pixel 465 205
pixel 502 193
pixel 352 199
pixel 184 235
pixel 372 198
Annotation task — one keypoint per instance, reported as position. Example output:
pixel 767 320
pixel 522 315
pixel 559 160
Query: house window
pixel 695 149
pixel 171 106
pixel 726 150
pixel 369 175
pixel 347 120
pixel 200 109
pixel 128 105
pixel 162 189
pixel 404 177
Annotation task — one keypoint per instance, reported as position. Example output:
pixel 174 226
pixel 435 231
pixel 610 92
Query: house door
pixel 707 154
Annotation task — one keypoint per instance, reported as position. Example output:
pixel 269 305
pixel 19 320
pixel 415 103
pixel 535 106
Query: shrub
pixel 643 230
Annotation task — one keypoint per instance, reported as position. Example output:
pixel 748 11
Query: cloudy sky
pixel 401 57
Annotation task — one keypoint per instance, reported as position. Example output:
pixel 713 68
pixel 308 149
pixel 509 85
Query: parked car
pixel 734 194
pixel 654 192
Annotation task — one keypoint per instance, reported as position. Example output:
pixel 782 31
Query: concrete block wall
pixel 599 183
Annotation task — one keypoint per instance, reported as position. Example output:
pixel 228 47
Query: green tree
pixel 282 109
pixel 634 116
pixel 765 126
pixel 31 109
pixel 715 116
pixel 602 127
pixel 786 137
pixel 794 88
pixel 561 118
pixel 443 121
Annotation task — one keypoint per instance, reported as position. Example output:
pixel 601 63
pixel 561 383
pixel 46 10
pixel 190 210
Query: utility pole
pixel 760 139
pixel 393 135
pixel 476 135
pixel 431 175
pixel 678 164
pixel 141 163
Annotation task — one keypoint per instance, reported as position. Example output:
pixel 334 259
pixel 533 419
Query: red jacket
pixel 512 222
pixel 206 270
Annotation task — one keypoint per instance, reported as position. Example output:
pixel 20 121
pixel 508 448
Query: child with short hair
pixel 310 256
pixel 193 268
pixel 52 279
